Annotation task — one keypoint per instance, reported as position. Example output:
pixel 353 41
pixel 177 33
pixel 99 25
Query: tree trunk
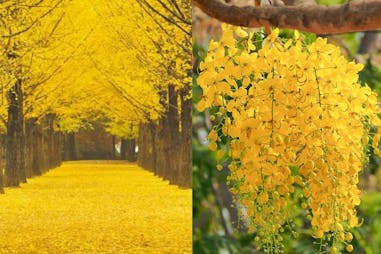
pixel 69 147
pixel 57 149
pixel 12 170
pixel 29 124
pixel 1 182
pixel 185 168
pixel 143 143
pixel 147 151
pixel 172 137
pixel 2 146
pixel 44 147
pixel 130 150
pixel 142 147
pixel 113 148
pixel 20 130
pixel 162 140
pixel 160 145
pixel 37 149
pixel 123 148
pixel 50 141
pixel 152 151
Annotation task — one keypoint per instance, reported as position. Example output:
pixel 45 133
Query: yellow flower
pixel 274 35
pixel 292 106
pixel 213 136
pixel 349 248
pixel 263 198
pixel 213 146
pixel 348 237
pixel 241 33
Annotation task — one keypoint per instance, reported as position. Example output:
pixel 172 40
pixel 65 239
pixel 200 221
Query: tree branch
pixel 353 16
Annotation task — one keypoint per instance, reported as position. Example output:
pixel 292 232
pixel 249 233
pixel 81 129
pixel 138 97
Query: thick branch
pixel 350 17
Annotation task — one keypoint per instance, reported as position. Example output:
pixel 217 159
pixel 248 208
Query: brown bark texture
pixel 32 147
pixel 130 150
pixel 185 173
pixel 165 146
pixel 13 161
pixel 69 147
pixel 146 155
pixel 352 16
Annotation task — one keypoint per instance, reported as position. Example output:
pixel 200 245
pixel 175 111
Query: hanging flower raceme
pixel 296 118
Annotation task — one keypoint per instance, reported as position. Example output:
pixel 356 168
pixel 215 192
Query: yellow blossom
pixel 290 105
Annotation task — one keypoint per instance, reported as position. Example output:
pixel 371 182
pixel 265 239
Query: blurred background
pixel 217 224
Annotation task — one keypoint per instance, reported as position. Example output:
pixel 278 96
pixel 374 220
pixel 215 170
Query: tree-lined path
pixel 68 66
pixel 73 68
pixel 98 207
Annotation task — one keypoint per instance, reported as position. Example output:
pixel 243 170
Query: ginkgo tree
pixel 21 19
pixel 163 49
pixel 73 63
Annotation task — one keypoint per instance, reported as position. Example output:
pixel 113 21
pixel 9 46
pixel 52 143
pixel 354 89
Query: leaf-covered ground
pixel 98 208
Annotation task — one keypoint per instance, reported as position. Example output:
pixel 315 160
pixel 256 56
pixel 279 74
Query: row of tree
pixel 165 148
pixel 67 64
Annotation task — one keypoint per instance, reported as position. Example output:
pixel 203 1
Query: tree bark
pixel 130 150
pixel 1 182
pixel 2 147
pixel 140 145
pixel 113 148
pixel 147 153
pixel 58 148
pixel 50 141
pixel 185 172
pixel 123 149
pixel 29 147
pixel 173 139
pixel 13 165
pixel 37 149
pixel 21 131
pixel 353 16
pixel 69 147
pixel 152 148
pixel 160 145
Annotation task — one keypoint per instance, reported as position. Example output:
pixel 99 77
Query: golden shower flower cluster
pixel 296 118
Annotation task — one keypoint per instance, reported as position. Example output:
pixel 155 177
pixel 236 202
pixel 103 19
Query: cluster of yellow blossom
pixel 295 116
pixel 83 208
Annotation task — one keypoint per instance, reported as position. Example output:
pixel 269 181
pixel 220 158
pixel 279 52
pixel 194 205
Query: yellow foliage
pixel 82 208
pixel 88 60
